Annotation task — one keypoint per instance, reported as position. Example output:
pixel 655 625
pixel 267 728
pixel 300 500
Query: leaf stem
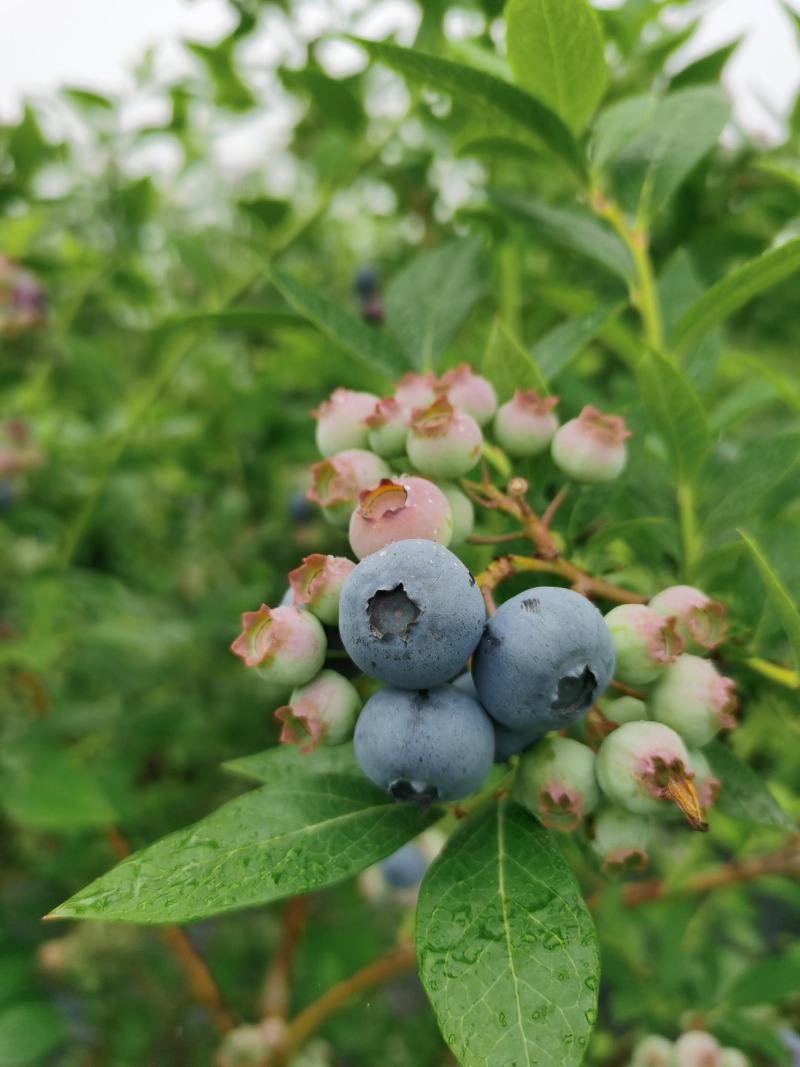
pixel 644 295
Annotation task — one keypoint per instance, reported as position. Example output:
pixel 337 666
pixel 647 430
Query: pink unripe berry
pixel 340 421
pixel 653 1051
pixel 387 428
pixel 694 699
pixel 317 585
pixel 621 839
pixel 643 767
pixel 443 441
pixel 645 642
pixel 699 619
pixel 287 645
pixel 336 482
pixel 322 712
pixel 555 781
pixel 470 392
pixel 462 511
pixel 416 391
pixel 696 1048
pixel 524 425
pixel 399 509
pixel 591 448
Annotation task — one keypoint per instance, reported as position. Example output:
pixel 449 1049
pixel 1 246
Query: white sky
pixel 95 43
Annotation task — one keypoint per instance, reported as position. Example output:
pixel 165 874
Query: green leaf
pixel 557 349
pixel 29 1032
pixel 46 787
pixel 681 129
pixel 557 53
pixel 574 230
pixel 678 288
pixel 364 343
pixel 289 761
pixel 784 605
pixel 428 301
pixel 234 319
pixel 771 982
pixel 707 68
pixel 508 366
pixel 732 293
pixel 744 795
pixel 492 95
pixel 617 125
pixel 278 841
pixel 676 411
pixel 506 946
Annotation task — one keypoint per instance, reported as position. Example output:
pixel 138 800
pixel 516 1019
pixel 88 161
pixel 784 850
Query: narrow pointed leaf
pixel 744 795
pixel 476 88
pixel 275 842
pixel 288 760
pixel 676 412
pixel 557 349
pixel 508 366
pixel 784 605
pixel 732 293
pixel 364 343
pixel 506 947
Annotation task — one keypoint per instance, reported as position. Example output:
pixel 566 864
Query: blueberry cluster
pixel 450 691
pixel 694 1048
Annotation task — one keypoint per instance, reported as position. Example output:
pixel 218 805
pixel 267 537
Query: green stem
pixel 688 523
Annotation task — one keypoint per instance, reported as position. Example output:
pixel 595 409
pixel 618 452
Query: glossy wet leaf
pixel 744 794
pixel 278 841
pixel 288 760
pixel 557 53
pixel 506 946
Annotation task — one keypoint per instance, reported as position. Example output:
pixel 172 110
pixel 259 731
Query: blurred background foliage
pixel 157 419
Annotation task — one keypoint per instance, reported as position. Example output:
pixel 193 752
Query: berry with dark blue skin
pixel 404 868
pixel 366 282
pixel 411 614
pixel 8 496
pixel 426 746
pixel 300 510
pixel 508 742
pixel 545 656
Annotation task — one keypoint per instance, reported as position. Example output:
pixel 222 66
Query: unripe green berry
pixel 387 428
pixel 322 712
pixel 462 511
pixel 591 448
pixel 696 1048
pixel 337 481
pixel 694 699
pixel 340 421
pixel 317 585
pixel 699 620
pixel 443 441
pixel 524 425
pixel 645 642
pixel 286 645
pixel 555 781
pixel 621 839
pixel 653 1051
pixel 624 709
pixel 469 392
pixel 732 1057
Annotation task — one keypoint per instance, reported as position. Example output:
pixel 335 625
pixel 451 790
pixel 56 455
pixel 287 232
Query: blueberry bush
pixel 472 392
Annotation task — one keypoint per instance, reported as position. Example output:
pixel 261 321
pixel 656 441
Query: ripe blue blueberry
pixel 437 744
pixel 507 742
pixel 544 658
pixel 404 868
pixel 411 614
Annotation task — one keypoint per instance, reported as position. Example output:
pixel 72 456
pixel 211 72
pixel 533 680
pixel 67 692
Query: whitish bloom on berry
pixel 653 1051
pixel 443 441
pixel 387 428
pixel 470 392
pixel 591 448
pixel 645 642
pixel 322 712
pixel 462 511
pixel 287 645
pixel 416 391
pixel 524 425
pixel 317 585
pixel 644 767
pixel 621 839
pixel 340 421
pixel 696 1048
pixel 699 619
pixel 337 481
pixel 625 709
pixel 399 509
pixel 555 781
pixel 695 700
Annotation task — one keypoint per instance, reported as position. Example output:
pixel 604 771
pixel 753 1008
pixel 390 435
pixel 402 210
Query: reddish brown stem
pixel 275 989
pixel 505 567
pixel 495 539
pixel 628 690
pixel 550 511
pixel 201 984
